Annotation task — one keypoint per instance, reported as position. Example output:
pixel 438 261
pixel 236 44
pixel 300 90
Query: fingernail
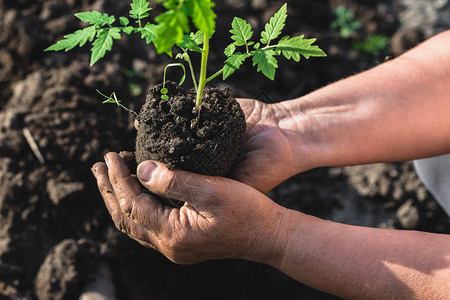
pixel 94 171
pixel 145 170
pixel 106 160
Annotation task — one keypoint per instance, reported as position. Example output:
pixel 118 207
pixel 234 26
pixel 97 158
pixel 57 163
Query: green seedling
pixel 113 99
pixel 345 22
pixel 376 45
pixel 170 30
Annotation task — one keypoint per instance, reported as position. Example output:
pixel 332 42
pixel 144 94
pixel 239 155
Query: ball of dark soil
pixel 174 132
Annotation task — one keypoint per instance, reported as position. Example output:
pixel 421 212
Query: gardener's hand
pixel 268 157
pixel 221 218
pixel 271 153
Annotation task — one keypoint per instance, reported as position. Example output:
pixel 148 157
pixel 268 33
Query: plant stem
pixel 202 80
pixel 192 70
pixel 214 75
pixel 270 47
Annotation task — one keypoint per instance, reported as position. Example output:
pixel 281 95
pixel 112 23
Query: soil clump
pixel 174 132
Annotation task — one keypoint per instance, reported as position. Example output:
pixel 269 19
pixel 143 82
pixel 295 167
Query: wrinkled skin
pixel 213 211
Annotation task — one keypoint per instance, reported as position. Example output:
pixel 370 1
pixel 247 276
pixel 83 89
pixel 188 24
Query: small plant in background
pixel 376 45
pixel 345 22
pixel 372 47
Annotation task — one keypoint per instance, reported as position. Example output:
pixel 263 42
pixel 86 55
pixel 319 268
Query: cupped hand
pixel 267 157
pixel 220 218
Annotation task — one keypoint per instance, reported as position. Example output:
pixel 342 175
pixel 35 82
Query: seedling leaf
pixel 103 43
pixel 230 50
pixel 242 31
pixel 188 43
pixel 198 37
pixel 128 30
pixel 203 16
pixel 233 63
pixel 140 9
pixel 171 27
pixel 266 62
pixel 70 41
pixel 293 47
pixel 95 18
pixel 124 21
pixel 111 99
pixel 275 26
pixel 148 32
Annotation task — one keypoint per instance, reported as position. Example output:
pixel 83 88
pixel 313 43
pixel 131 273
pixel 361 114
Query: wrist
pixel 303 132
pixel 271 243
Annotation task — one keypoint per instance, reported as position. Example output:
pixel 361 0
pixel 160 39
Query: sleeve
pixel 435 174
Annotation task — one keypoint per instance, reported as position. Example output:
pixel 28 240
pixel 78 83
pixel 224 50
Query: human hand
pixel 221 218
pixel 267 158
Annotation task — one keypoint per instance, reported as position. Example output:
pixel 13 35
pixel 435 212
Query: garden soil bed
pixel 54 228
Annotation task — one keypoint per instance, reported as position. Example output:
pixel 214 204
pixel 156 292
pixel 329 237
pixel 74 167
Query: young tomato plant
pixel 171 29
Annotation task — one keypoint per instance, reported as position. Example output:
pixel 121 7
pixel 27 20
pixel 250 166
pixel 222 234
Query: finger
pixel 121 221
pixel 136 124
pixel 137 205
pixel 130 159
pixel 176 184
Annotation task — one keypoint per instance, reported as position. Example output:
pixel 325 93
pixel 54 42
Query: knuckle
pixel 134 207
pixel 121 224
pixel 167 182
pixel 126 206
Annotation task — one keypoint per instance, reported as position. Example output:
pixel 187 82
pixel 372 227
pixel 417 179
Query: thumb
pixel 174 184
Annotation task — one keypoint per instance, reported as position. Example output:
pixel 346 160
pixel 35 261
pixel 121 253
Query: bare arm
pixel 366 263
pixel 397 111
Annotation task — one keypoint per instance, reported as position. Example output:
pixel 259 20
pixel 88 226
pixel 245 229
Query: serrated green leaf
pixel 171 27
pixel 140 9
pixel 128 30
pixel 202 15
pixel 103 43
pixel 257 46
pixel 124 21
pixel 95 18
pixel 233 63
pixel 266 62
pixel 296 46
pixel 70 41
pixel 198 37
pixel 230 49
pixel 148 32
pixel 188 43
pixel 275 26
pixel 241 32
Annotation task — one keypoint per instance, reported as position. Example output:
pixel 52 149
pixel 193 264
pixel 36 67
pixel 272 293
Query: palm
pixel 266 157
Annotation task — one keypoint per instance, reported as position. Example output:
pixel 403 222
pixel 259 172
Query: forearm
pixel 364 263
pixel 396 111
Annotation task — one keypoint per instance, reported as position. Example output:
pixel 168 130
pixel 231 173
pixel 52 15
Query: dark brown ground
pixel 167 133
pixel 56 204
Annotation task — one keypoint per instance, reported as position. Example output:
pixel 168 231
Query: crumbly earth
pixel 205 142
